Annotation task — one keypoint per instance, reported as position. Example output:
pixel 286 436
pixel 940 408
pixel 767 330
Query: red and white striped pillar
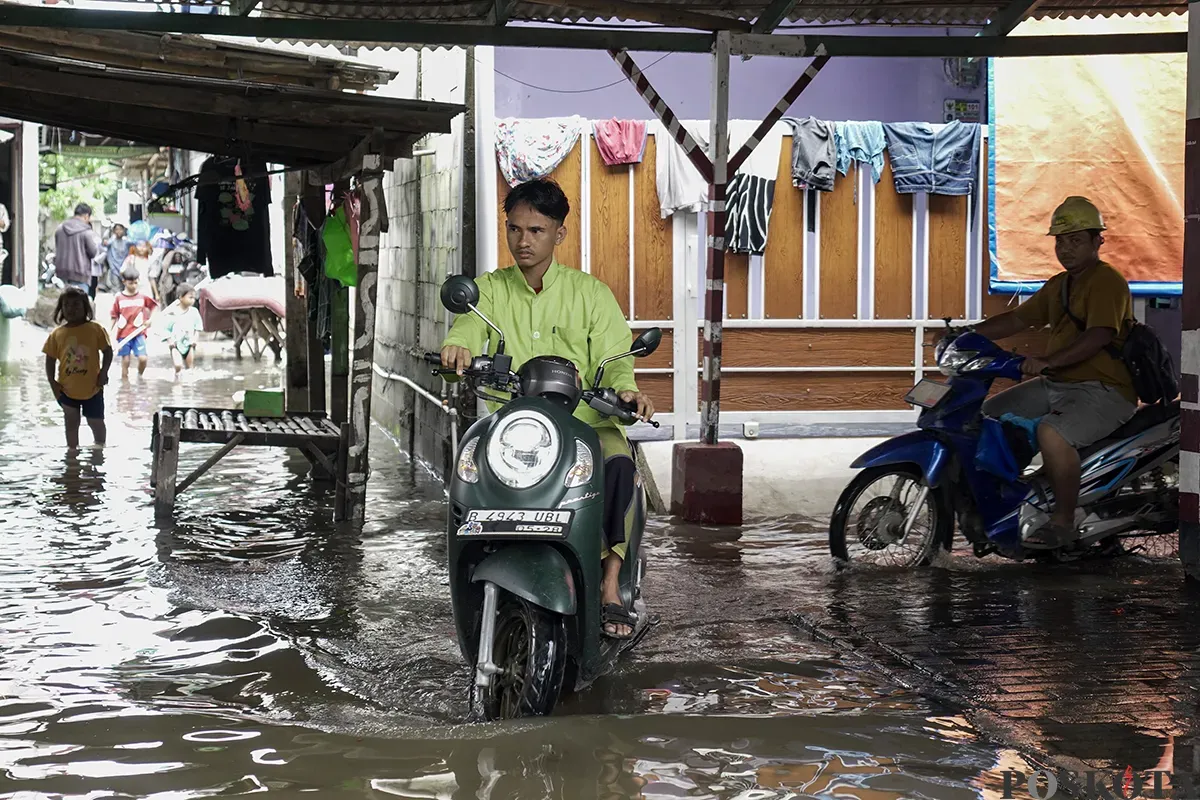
pixel 714 290
pixel 1189 455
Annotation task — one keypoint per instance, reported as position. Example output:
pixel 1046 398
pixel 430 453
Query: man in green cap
pixel 1080 390
pixel 547 309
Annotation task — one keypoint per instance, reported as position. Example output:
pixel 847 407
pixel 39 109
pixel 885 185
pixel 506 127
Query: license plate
pixel 516 522
pixel 927 393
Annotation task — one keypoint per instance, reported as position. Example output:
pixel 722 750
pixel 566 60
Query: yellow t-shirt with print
pixel 78 349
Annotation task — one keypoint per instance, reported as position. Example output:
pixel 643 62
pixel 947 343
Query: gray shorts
pixel 1082 413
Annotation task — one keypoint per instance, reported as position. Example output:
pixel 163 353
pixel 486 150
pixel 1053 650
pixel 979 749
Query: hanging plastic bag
pixel 339 250
pixel 12 302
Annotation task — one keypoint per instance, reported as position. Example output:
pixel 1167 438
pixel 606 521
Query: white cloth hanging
pixel 680 185
pixel 528 149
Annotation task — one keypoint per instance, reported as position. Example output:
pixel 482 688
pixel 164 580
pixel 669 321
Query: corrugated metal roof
pixel 963 12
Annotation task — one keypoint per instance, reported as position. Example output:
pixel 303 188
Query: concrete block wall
pixel 420 249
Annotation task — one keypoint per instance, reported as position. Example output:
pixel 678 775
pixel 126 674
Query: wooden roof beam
pixel 1009 17
pixel 772 15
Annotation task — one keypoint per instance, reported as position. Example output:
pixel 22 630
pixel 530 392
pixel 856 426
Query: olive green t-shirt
pixel 1099 298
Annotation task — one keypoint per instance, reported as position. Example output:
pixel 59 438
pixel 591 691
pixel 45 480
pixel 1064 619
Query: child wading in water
pixel 84 355
pixel 183 323
pixel 131 311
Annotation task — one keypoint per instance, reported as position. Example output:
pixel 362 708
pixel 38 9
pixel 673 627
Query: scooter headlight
pixel 953 359
pixel 468 470
pixel 523 449
pixel 583 468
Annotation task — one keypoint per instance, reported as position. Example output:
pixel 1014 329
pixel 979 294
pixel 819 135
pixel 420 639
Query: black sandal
pixel 614 614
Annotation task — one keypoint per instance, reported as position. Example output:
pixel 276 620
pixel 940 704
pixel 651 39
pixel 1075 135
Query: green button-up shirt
pixel 575 316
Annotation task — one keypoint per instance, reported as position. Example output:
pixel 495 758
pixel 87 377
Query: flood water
pixel 251 645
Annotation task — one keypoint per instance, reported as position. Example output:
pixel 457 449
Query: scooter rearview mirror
pixel 646 342
pixel 459 293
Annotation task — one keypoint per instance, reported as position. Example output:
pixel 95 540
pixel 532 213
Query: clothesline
pixel 936 158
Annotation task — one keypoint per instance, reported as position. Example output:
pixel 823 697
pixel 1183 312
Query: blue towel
pixel 860 141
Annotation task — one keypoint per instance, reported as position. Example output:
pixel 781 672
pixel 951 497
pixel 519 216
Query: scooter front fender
pixel 534 571
pixel 919 448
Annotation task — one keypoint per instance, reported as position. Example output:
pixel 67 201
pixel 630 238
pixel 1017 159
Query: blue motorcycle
pixel 959 465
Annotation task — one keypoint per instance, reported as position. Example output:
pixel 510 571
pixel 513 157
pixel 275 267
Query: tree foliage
pixel 76 180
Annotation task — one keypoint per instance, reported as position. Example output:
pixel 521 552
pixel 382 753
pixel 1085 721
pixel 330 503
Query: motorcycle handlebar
pixel 433 358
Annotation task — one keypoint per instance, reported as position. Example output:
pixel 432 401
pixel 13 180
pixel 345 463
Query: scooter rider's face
pixel 532 236
pixel 1077 250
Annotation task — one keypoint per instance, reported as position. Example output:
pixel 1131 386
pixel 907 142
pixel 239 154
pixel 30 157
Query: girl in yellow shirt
pixel 81 348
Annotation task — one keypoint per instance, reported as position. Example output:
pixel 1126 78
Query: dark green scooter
pixel 524 532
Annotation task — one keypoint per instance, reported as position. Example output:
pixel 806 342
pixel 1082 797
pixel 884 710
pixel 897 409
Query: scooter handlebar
pixel 433 358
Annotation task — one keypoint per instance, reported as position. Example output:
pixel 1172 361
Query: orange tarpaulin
pixel 1110 128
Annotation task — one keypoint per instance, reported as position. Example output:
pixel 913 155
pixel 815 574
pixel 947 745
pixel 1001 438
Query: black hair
pixel 130 274
pixel 543 195
pixel 71 291
pixel 82 209
pixel 184 288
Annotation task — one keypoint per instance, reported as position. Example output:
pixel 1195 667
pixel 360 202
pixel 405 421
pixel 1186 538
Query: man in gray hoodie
pixel 75 247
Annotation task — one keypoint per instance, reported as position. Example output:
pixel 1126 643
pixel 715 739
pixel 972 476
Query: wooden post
pixel 314 206
pixel 374 222
pixel 339 348
pixel 714 296
pixel 166 460
pixel 339 345
pixel 1189 450
pixel 339 494
pixel 295 388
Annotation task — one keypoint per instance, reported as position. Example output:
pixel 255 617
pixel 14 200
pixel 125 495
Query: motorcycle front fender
pixel 919 448
pixel 534 571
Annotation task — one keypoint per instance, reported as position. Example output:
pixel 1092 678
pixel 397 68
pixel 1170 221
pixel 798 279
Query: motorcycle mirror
pixel 459 294
pixel 646 342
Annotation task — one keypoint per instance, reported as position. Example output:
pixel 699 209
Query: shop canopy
pixel 228 99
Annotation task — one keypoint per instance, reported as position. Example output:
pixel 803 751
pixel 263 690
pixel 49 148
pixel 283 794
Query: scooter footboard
pixel 534 571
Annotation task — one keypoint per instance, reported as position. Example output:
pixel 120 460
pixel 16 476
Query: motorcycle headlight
pixel 581 471
pixel 468 470
pixel 977 363
pixel 523 449
pixel 953 359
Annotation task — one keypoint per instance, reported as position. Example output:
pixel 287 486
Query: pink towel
pixel 621 141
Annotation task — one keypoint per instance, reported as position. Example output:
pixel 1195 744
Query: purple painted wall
pixel 884 89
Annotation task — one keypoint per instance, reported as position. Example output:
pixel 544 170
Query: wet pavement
pixel 252 645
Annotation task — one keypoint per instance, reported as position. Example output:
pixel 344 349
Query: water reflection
pixel 250 645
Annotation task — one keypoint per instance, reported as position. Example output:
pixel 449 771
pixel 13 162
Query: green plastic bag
pixel 339 250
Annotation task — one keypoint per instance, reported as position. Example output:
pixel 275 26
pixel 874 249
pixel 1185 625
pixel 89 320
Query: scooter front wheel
pixel 888 517
pixel 530 648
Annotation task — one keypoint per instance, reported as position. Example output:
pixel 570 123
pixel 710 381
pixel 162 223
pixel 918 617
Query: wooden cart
pixel 314 434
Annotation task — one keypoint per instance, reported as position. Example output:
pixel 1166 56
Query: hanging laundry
pixel 529 149
pixel 764 159
pixel 860 141
pixel 748 203
pixel 620 141
pixel 943 161
pixel 680 185
pixel 814 155
pixel 233 226
pixel 750 194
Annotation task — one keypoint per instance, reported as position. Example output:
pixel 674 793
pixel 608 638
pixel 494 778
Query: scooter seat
pixel 1145 419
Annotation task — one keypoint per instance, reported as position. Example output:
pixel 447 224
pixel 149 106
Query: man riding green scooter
pixel 548 309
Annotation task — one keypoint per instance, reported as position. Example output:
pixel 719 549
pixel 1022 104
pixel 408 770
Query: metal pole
pixel 1189 450
pixel 714 294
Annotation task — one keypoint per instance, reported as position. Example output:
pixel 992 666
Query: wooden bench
pixel 321 440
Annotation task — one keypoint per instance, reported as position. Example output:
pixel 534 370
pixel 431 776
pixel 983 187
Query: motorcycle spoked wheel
pixel 530 646
pixel 873 526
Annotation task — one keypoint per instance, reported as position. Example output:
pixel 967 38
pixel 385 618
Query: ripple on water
pixel 252 645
